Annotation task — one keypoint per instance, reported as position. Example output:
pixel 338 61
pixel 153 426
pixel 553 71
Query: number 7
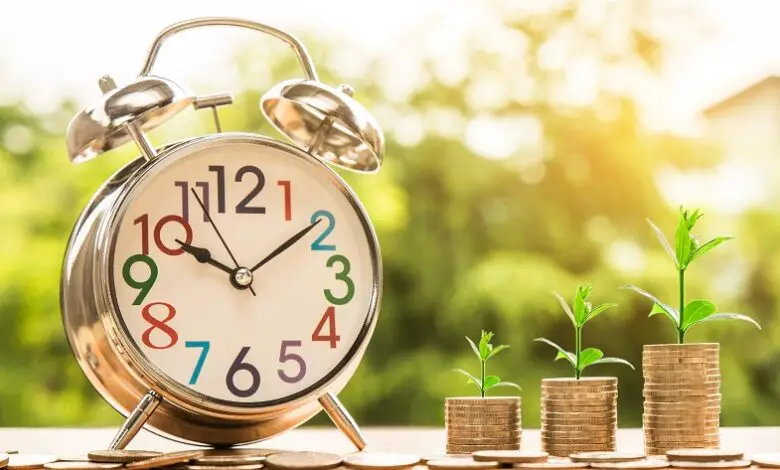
pixel 206 345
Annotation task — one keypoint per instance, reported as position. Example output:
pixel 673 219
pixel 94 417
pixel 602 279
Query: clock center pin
pixel 242 278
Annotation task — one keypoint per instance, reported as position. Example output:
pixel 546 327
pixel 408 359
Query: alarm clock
pixel 222 289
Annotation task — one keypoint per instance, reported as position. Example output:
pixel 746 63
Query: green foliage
pixel 484 352
pixel 581 312
pixel 686 250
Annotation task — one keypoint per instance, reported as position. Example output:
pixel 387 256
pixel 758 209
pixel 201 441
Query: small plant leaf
pixel 613 360
pixel 490 381
pixel 727 316
pixel 507 384
pixel 708 246
pixel 581 304
pixel 656 310
pixel 668 310
pixel 664 242
pixel 696 311
pixel 589 356
pixel 566 308
pixel 682 240
pixel 594 312
pixel 484 345
pixel 562 353
pixel 471 378
pixel 474 348
pixel 497 350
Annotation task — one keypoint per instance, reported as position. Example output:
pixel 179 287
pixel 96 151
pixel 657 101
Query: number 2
pixel 317 245
pixel 205 345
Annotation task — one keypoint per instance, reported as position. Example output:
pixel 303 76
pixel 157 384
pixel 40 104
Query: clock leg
pixel 342 419
pixel 135 420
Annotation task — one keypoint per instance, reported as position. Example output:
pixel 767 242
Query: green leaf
pixel 507 384
pixel 664 242
pixel 490 382
pixel 594 312
pixel 471 378
pixel 562 353
pixel 497 350
pixel 474 347
pixel 696 311
pixel 707 247
pixel 614 360
pixel 727 316
pixel 581 306
pixel 566 308
pixel 484 345
pixel 667 310
pixel 682 240
pixel 589 356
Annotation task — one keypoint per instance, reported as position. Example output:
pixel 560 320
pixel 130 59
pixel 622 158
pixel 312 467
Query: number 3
pixel 342 276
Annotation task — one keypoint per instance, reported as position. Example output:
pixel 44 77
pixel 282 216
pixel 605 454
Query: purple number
pixel 285 356
pixel 185 198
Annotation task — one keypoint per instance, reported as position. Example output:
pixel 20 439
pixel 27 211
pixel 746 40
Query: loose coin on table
pixel 767 460
pixel 428 458
pixel 251 466
pixel 384 460
pixel 81 465
pixel 244 451
pixel 703 455
pixel 510 456
pixel 29 461
pixel 649 464
pixel 165 459
pixel 552 465
pixel 711 464
pixel 606 456
pixel 459 463
pixel 303 460
pixel 229 460
pixel 121 456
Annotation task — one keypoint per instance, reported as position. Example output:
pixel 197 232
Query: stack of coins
pixel 489 423
pixel 579 415
pixel 682 397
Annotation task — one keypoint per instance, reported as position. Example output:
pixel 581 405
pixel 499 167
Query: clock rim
pixel 141 364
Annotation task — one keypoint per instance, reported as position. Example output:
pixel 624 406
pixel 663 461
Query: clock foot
pixel 342 419
pixel 135 420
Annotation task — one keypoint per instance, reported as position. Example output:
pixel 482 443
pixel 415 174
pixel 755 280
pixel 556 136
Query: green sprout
pixel 686 250
pixel 484 352
pixel 581 312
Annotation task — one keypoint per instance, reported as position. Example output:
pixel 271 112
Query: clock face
pixel 244 272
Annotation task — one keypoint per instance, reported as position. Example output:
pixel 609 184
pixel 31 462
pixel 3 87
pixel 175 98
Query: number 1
pixel 206 345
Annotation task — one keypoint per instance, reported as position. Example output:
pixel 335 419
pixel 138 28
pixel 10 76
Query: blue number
pixel 317 245
pixel 199 365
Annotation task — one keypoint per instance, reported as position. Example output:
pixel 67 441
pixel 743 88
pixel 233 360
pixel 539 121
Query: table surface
pixel 63 442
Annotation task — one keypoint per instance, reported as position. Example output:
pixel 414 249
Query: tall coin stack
pixel 489 423
pixel 682 396
pixel 579 415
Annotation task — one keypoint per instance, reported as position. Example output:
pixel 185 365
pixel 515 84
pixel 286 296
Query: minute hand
pixel 284 246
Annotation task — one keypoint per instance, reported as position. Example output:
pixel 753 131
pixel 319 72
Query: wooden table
pixel 421 441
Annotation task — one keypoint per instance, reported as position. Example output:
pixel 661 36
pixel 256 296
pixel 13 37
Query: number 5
pixel 285 356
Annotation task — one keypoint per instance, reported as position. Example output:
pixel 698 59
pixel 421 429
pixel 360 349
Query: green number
pixel 342 276
pixel 146 285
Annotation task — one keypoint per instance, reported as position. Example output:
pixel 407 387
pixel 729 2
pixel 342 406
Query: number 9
pixel 144 286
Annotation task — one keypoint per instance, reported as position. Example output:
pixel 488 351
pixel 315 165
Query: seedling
pixel 580 313
pixel 686 250
pixel 484 352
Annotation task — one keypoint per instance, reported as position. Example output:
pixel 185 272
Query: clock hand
pixel 203 256
pixel 284 246
pixel 224 243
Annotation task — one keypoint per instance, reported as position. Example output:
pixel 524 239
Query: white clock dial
pixel 194 314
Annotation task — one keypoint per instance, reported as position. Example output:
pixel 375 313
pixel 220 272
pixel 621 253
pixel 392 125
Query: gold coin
pixel 581 439
pixel 459 463
pixel 510 456
pixel 601 433
pixel 579 419
pixel 649 359
pixel 121 456
pixel 469 412
pixel 483 427
pixel 582 381
pixel 230 460
pixel 705 400
pixel 688 393
pixel 251 466
pixel 165 460
pixel 649 464
pixel 495 435
pixel 684 380
pixel 590 396
pixel 676 348
pixel 81 465
pixel 243 451
pixel 383 460
pixel 606 401
pixel 600 457
pixel 428 458
pixel 483 400
pixel 700 420
pixel 552 465
pixel 482 441
pixel 303 460
pixel 468 449
pixel 703 455
pixel 581 414
pixel 767 460
pixel 29 461
pixel 711 464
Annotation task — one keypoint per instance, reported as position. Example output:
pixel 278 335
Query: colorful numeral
pixel 144 286
pixel 329 319
pixel 342 276
pixel 238 366
pixel 157 233
pixel 317 244
pixel 286 356
pixel 205 347
pixel 287 188
pixel 161 325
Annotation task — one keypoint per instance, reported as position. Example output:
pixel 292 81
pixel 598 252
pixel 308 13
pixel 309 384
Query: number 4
pixel 330 318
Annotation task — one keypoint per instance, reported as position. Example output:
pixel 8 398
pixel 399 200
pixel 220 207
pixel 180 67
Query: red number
pixel 330 319
pixel 159 325
pixel 144 221
pixel 287 199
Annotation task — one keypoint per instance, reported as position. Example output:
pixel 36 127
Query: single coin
pixel 165 460
pixel 483 400
pixel 427 458
pixel 582 381
pixel 81 465
pixel 683 380
pixel 676 348
pixel 589 396
pixel 648 464
pixel 711 464
pixel 769 460
pixel 29 461
pixel 251 466
pixel 303 460
pixel 486 435
pixel 686 393
pixel 562 464
pixel 459 463
pixel 510 456
pixel 683 441
pixel 482 442
pixel 229 460
pixel 606 456
pixel 243 451
pixel 575 419
pixel 73 458
pixel 384 460
pixel 703 455
pixel 121 456
pixel 468 449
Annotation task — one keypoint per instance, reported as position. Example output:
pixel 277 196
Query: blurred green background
pixel 499 186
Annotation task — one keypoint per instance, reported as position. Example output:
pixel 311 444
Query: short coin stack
pixel 488 423
pixel 682 397
pixel 579 415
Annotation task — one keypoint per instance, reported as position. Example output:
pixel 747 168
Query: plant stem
pixel 577 347
pixel 680 330
pixel 482 388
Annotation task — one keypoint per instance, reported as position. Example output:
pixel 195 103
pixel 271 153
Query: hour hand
pixel 203 255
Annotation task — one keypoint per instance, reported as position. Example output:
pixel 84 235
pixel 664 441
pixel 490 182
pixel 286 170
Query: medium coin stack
pixel 682 397
pixel 489 423
pixel 579 415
